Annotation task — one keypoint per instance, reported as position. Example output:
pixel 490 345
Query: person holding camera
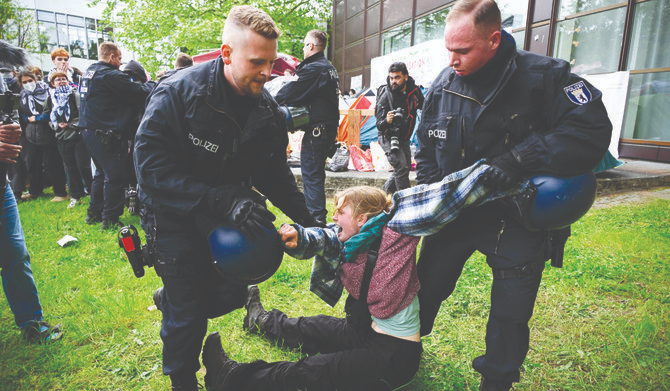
pixel 210 133
pixel 397 103
pixel 316 89
pixel 108 115
pixel 17 275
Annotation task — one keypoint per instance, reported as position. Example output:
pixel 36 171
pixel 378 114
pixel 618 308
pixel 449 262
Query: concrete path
pixel 635 175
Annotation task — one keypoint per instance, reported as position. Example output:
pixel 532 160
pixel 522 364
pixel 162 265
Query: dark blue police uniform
pixel 316 88
pixel 191 142
pixel 108 115
pixel 554 123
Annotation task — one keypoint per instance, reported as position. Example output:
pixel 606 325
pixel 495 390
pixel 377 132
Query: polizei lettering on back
pixel 198 142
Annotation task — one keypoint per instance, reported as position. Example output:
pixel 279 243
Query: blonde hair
pixel 364 200
pixel 485 14
pixel 106 49
pixel 252 18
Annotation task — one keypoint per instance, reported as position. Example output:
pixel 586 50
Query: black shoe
pixel 490 385
pixel 41 332
pixel 110 224
pixel 158 299
pixel 185 383
pixel 92 219
pixel 256 314
pixel 217 363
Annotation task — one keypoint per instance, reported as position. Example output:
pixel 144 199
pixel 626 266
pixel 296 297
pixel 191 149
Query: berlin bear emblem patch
pixel 578 93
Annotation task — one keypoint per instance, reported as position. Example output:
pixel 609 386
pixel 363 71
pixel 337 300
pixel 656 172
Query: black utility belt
pixel 107 133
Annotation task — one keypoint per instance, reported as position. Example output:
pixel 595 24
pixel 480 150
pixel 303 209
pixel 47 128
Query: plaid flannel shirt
pixel 418 211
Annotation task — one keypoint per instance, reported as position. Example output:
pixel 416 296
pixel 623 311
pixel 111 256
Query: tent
pixel 361 103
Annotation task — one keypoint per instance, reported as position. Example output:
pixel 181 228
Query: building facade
pixel 69 24
pixel 597 37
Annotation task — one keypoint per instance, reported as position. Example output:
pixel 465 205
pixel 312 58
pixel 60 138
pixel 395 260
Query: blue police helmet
pixel 243 260
pixel 560 202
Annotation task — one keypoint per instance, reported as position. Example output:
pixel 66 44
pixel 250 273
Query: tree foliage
pixel 156 30
pixel 17 25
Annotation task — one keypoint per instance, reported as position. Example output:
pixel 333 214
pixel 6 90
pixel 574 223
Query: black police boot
pixel 110 224
pixel 490 385
pixel 92 219
pixel 256 314
pixel 41 332
pixel 158 299
pixel 184 382
pixel 217 363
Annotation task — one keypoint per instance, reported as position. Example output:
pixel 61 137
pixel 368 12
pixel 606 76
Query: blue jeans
pixel 313 166
pixel 108 193
pixel 17 276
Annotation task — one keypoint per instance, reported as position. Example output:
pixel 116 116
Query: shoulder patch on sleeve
pixel 578 93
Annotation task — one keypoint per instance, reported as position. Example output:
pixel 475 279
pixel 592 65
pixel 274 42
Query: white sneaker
pixel 73 202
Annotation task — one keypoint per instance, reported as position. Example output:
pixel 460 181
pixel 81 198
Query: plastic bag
pixel 340 159
pixel 379 160
pixel 294 146
pixel 362 159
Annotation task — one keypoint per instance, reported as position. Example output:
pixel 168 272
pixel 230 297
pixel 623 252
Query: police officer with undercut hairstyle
pixel 317 89
pixel 528 115
pixel 210 137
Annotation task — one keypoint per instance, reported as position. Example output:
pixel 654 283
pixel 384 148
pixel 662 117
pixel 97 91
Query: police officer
pixel 210 133
pixel 108 114
pixel 316 89
pixel 528 115
pixel 399 92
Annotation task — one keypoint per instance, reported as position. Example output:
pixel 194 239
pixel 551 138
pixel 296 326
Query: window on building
pixel 92 36
pixel 78 47
pixel 430 27
pixel 567 8
pixel 63 40
pixel 396 38
pixel 650 36
pixel 591 43
pixel 46 16
pixel 48 37
pixel 647 114
pixel 513 17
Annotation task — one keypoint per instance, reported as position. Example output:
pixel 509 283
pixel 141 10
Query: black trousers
pixel 77 161
pixel 108 193
pixel 506 245
pixel 47 155
pixel 349 359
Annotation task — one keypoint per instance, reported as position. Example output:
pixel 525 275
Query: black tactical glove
pixel 243 208
pixel 313 222
pixel 504 172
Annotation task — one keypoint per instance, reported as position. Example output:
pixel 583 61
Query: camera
pixel 138 254
pixel 132 201
pixel 399 117
pixel 395 143
pixel 9 105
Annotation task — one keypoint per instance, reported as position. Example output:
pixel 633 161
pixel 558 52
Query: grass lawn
pixel 600 323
